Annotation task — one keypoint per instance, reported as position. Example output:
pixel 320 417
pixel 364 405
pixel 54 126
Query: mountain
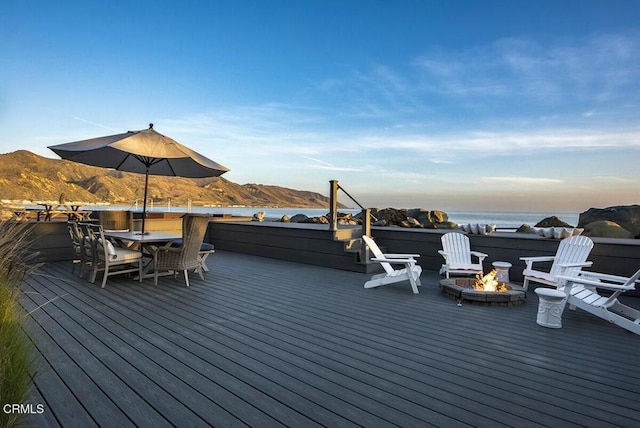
pixel 27 176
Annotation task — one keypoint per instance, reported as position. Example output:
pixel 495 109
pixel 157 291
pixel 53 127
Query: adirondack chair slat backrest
pixel 457 247
pixel 575 249
pixel 377 253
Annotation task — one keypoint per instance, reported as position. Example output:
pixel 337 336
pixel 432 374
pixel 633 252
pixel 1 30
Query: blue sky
pixel 453 105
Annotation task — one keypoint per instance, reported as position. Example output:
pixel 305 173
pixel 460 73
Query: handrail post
pixel 333 205
pixel 365 255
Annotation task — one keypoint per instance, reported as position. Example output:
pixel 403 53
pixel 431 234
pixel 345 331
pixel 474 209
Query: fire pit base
pixel 462 289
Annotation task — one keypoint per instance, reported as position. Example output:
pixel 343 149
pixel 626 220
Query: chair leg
pixel 525 284
pixel 186 277
pixel 105 275
pixel 140 269
pixel 94 274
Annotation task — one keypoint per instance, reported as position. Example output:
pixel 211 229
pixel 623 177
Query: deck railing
pixel 333 215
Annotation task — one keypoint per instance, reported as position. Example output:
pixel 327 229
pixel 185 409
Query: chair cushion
pixel 204 247
pixel 122 254
pixel 111 250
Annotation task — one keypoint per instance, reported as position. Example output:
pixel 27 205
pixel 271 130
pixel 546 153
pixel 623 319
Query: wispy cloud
pixel 328 166
pixel 98 125
pixel 538 181
pixel 596 69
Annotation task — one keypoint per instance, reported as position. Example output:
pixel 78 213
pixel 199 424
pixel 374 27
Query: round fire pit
pixel 462 289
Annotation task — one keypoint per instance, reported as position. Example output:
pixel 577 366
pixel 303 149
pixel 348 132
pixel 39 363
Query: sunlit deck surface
pixel 266 343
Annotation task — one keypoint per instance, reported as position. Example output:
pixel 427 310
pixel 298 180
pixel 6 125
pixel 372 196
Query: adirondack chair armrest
pixel 538 259
pixel 568 265
pixel 479 255
pixel 594 283
pixel 531 260
pixel 565 266
pixel 443 254
pixel 394 256
pixel 604 277
pixel 404 261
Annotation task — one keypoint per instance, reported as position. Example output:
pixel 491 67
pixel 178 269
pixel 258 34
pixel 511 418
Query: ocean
pixel 504 220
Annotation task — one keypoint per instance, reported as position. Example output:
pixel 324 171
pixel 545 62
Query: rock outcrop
pixel 606 229
pixel 415 218
pixel 552 221
pixel 626 217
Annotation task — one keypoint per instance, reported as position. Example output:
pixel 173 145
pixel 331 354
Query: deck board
pixel 263 342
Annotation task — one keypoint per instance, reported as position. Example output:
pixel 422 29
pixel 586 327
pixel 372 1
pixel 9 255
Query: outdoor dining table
pixel 147 241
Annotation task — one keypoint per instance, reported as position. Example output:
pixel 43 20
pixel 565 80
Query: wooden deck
pixel 264 342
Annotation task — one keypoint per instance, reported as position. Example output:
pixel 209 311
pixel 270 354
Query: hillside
pixel 27 176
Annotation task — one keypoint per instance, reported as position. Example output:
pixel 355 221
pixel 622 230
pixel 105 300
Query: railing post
pixel 333 205
pixel 365 255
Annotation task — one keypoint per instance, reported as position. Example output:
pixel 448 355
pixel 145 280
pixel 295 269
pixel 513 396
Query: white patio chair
pixel 582 292
pixel 411 270
pixel 570 258
pixel 457 254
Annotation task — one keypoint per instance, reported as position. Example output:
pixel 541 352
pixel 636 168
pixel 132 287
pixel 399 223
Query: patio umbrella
pixel 146 152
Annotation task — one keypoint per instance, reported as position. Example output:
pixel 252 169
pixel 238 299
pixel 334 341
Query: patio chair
pixel 411 270
pixel 185 257
pixel 111 259
pixel 570 258
pixel 457 254
pixel 78 244
pixel 582 292
pixel 206 249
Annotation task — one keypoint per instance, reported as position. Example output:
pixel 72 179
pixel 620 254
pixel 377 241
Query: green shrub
pixel 16 262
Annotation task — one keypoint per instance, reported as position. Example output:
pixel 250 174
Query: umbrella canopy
pixel 147 152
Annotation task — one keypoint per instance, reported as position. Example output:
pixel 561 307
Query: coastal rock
pixel 412 222
pixel 447 225
pixel 552 221
pixel 259 216
pixel 426 217
pixel 525 228
pixel 284 219
pixel 298 218
pixel 626 216
pixel 393 216
pixel 415 217
pixel 606 229
pixel 316 220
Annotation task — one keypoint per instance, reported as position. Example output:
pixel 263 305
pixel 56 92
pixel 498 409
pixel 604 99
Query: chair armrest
pixel 479 255
pixel 596 283
pixel 569 265
pixel 538 259
pixel 604 277
pixel 531 260
pixel 394 256
pixel 394 260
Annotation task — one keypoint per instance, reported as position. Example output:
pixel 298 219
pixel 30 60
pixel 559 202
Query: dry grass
pixel 16 262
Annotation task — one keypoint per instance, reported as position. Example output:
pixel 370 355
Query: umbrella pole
pixel 144 204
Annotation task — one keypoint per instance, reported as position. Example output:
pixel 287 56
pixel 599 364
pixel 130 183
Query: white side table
pixel 502 271
pixel 550 306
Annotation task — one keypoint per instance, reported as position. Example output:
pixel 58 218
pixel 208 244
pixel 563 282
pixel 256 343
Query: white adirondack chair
pixel 582 292
pixel 411 270
pixel 570 258
pixel 457 254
